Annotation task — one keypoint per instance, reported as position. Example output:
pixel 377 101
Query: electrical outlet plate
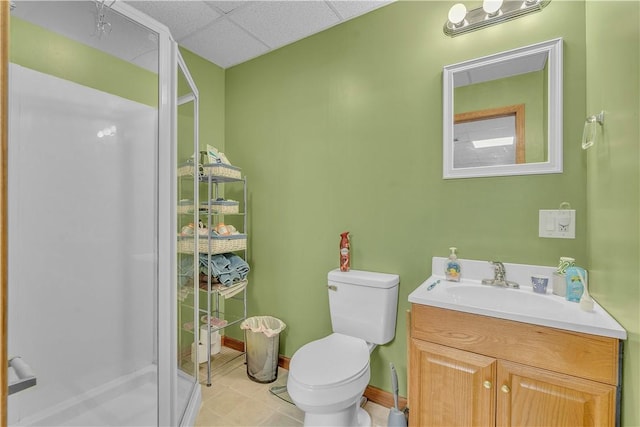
pixel 559 224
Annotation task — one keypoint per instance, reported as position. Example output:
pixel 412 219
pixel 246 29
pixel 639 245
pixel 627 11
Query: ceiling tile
pixel 224 44
pixel 282 22
pixel 182 17
pixel 352 8
pixel 227 6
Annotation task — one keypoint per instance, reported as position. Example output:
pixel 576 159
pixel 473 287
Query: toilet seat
pixel 330 362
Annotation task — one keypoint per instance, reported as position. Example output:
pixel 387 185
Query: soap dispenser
pixel 452 267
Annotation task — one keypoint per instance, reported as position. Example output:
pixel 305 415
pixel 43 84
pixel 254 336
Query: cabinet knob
pixel 505 388
pixel 487 384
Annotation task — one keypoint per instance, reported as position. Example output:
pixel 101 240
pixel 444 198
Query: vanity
pixel 485 355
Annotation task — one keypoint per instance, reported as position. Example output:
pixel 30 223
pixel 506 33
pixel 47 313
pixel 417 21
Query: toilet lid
pixel 330 360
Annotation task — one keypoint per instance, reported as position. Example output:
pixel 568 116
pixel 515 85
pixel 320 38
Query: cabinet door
pixel 450 387
pixel 534 397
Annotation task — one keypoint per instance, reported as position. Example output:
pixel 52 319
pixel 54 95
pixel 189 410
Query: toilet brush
pixel 396 416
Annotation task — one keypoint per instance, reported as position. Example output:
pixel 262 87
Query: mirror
pixel 502 114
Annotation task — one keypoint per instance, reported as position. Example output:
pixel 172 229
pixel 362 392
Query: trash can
pixel 262 335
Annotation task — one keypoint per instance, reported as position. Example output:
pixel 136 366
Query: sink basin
pixel 502 299
pixel 520 305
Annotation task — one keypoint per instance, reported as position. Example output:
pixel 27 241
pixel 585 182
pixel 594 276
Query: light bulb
pixel 457 13
pixel 492 7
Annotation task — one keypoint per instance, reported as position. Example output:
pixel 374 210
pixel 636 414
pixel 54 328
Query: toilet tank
pixel 364 304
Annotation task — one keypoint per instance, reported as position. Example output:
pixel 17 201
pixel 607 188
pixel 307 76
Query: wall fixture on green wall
pixel 492 12
pixel 590 132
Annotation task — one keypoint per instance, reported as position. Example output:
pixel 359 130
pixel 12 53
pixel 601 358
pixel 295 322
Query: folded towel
pixel 227 268
pixel 232 290
pixel 219 262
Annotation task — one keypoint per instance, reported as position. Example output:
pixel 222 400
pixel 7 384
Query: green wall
pixel 210 82
pixel 613 177
pixel 343 131
pixel 42 50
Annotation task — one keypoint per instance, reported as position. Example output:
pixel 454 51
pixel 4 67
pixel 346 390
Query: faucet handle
pixel 497 264
pixel 499 269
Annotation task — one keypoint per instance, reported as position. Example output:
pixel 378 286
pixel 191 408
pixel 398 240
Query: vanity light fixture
pixel 456 15
pixel 492 8
pixel 492 12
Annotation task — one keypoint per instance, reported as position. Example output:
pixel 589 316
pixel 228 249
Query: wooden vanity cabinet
pixel 472 370
pixel 447 386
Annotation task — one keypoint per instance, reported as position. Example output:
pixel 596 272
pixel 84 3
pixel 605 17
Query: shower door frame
pixel 4 141
pixel 166 339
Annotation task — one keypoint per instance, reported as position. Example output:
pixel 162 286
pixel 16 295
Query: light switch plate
pixel 559 224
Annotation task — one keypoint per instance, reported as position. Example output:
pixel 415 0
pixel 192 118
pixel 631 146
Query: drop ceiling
pixel 228 33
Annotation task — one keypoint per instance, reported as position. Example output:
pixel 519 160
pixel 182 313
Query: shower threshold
pixel 126 401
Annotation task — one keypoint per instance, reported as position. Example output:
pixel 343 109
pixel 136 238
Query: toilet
pixel 327 377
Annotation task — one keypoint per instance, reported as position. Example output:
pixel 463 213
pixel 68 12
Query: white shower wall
pixel 82 237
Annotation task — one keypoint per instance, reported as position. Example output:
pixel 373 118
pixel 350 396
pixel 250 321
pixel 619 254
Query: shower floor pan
pixel 130 400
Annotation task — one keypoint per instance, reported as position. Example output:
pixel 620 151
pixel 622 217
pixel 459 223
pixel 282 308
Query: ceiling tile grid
pixel 224 43
pixel 228 33
pixel 350 9
pixel 278 23
pixel 182 17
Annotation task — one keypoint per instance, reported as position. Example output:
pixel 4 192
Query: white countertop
pixel 521 305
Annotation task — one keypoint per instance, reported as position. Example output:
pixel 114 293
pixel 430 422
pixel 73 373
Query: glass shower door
pixel 84 197
pixel 189 354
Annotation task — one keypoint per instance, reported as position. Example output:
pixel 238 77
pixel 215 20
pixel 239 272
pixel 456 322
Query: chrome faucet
pixel 500 277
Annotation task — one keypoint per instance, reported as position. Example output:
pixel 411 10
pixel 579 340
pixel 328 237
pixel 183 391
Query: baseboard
pixel 383 398
pixel 232 343
pixel 373 394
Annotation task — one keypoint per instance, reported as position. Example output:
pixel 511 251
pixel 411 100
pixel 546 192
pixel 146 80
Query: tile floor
pixel 234 400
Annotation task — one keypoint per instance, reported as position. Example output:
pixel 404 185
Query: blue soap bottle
pixel 575 288
pixel 452 267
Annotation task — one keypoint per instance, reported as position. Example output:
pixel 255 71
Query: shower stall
pixel 92 335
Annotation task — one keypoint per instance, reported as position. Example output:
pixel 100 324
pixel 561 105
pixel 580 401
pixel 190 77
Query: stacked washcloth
pixel 227 268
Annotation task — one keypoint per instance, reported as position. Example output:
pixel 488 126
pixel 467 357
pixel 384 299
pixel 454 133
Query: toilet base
pixel 364 419
pixel 352 416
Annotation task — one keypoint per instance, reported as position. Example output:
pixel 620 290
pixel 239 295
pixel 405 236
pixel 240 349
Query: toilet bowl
pixel 327 379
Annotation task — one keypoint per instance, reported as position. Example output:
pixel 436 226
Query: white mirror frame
pixel 554 111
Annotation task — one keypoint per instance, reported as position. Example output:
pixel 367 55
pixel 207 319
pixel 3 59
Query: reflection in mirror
pixel 485 100
pixel 489 137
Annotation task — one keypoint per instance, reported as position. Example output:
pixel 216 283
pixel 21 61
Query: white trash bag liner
pixel 270 326
pixel 262 345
